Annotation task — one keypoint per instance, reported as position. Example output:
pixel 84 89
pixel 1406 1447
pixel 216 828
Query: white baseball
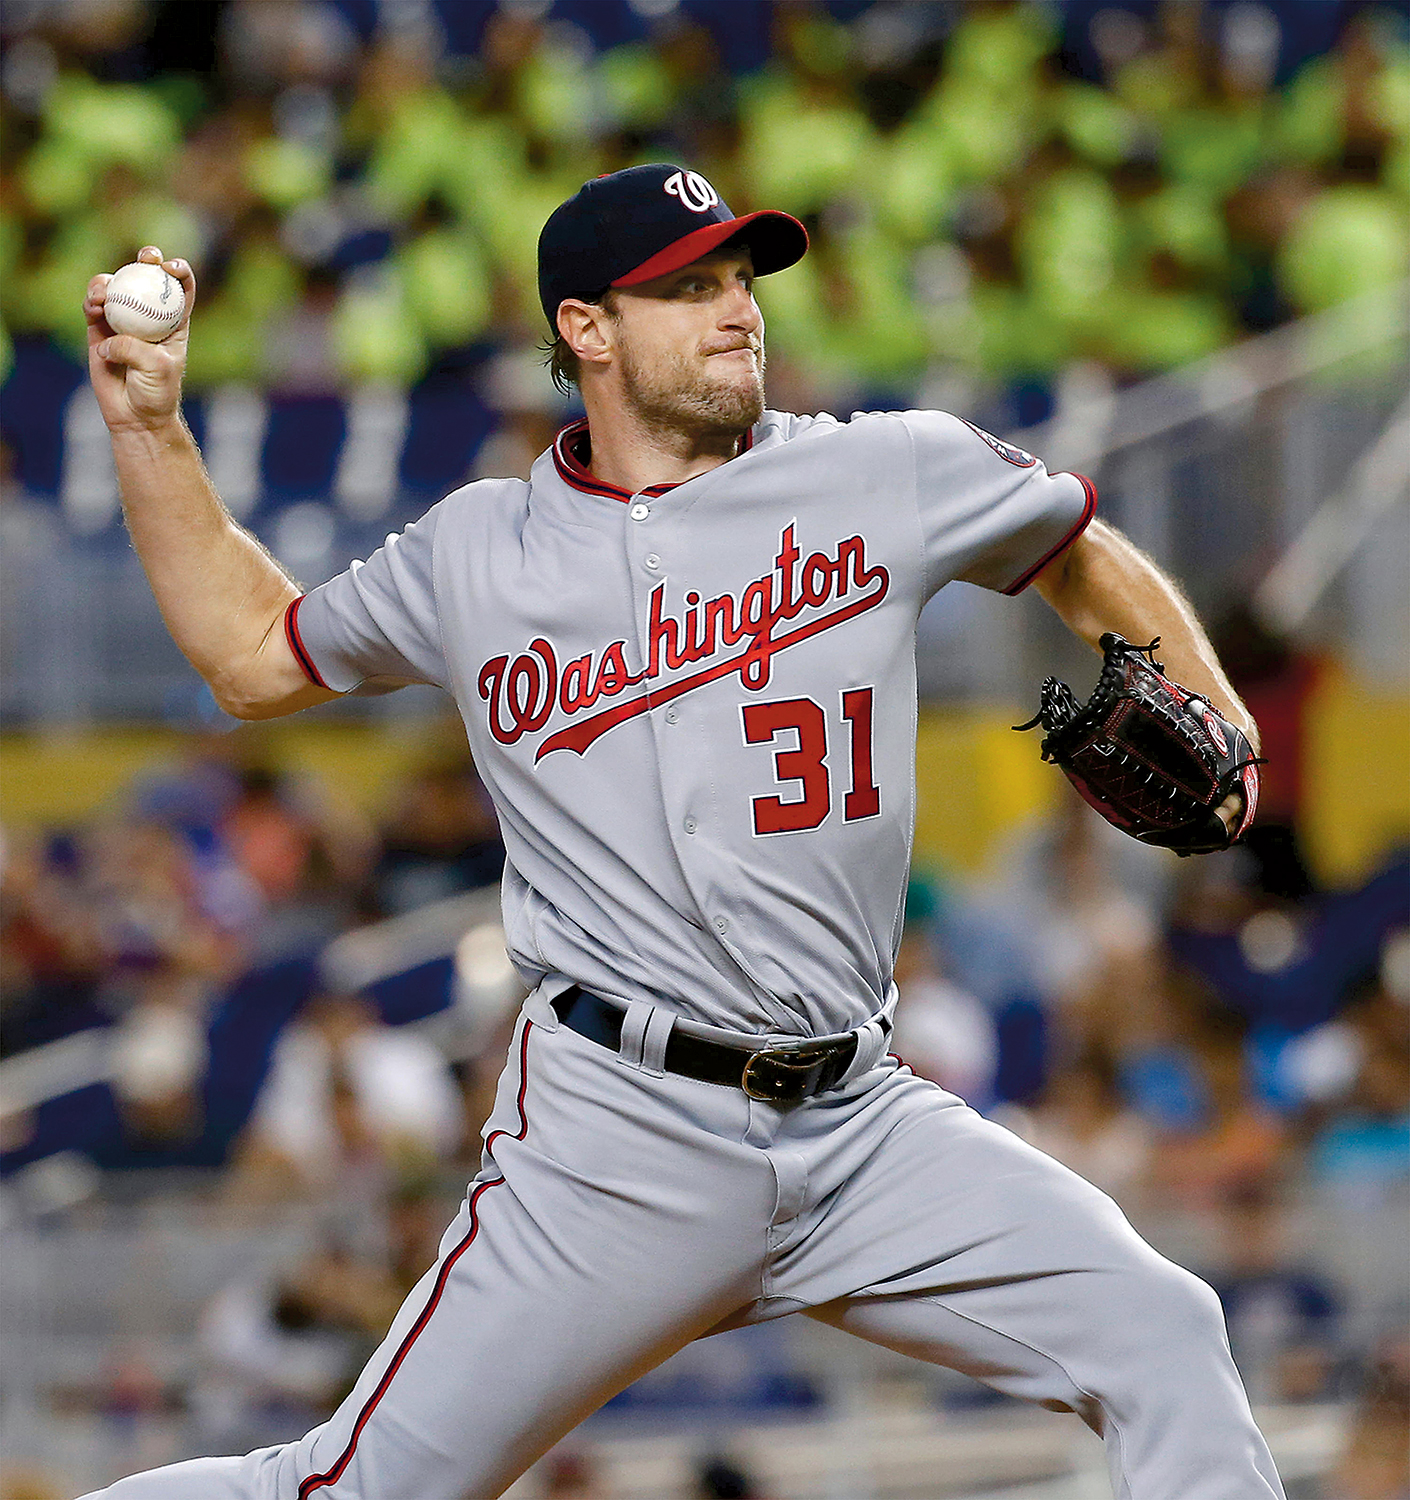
pixel 143 300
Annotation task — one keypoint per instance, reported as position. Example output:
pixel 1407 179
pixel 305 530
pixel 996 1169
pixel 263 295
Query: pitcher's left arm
pixel 1103 581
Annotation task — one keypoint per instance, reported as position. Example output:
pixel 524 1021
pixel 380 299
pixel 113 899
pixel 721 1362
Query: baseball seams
pixel 151 310
pixel 144 301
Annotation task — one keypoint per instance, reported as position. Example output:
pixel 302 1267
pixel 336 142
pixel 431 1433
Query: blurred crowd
pixel 196 924
pixel 995 189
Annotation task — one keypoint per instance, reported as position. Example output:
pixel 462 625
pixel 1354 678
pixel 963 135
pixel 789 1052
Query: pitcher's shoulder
pixel 484 503
pixel 862 428
pixel 488 494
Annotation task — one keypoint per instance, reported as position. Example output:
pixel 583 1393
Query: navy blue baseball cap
pixel 643 222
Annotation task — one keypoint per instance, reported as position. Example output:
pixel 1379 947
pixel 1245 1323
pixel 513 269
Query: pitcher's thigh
pixel 507 1343
pixel 953 1208
pixel 929 1194
pixel 1000 1262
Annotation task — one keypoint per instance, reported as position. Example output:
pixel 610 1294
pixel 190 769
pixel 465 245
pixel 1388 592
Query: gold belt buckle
pixel 782 1074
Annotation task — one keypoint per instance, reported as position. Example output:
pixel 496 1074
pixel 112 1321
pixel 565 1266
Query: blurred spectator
pixel 189 933
pixel 160 1057
pixel 943 1032
pixel 572 1475
pixel 1216 1142
pixel 129 1391
pixel 272 861
pixel 1375 1464
pixel 361 194
pixel 1346 113
pixel 29 530
pixel 531 410
pixel 416 1218
pixel 349 1106
pixel 23 1482
pixel 51 952
pixel 1076 907
pixel 1086 1124
pixel 725 1479
pixel 1087 893
pixel 1276 682
pixel 277 1352
pixel 301 352
pixel 302 860
pixel 1282 1313
pixel 440 839
pixel 107 929
pixel 1362 1148
pixel 143 889
pixel 1284 964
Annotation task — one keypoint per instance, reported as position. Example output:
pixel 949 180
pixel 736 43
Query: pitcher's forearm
pixel 1105 582
pixel 220 592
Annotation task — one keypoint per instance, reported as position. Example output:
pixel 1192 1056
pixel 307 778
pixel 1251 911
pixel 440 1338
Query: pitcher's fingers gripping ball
pixel 143 300
pixel 1152 757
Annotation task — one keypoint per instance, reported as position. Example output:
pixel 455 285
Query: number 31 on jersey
pixel 805 760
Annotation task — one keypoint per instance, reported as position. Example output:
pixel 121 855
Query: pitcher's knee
pixel 1172 1313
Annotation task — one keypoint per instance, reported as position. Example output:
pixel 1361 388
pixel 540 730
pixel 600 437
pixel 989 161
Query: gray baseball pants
pixel 622 1212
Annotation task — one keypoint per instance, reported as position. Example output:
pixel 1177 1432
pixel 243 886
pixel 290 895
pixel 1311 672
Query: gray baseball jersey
pixel 695 707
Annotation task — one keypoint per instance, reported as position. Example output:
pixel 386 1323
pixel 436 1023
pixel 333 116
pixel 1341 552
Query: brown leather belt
pixel 781 1073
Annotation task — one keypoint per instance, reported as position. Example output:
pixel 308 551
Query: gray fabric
pixel 619 1215
pixel 635 862
pixel 987 519
pixel 380 619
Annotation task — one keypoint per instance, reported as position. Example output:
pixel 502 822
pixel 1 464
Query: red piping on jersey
pixel 318 1481
pixel 573 471
pixel 1089 509
pixel 296 644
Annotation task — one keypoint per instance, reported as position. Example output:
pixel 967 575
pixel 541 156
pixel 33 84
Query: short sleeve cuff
pixel 296 645
pixel 1089 509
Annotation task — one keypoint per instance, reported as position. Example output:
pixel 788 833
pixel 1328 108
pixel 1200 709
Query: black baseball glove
pixel 1151 756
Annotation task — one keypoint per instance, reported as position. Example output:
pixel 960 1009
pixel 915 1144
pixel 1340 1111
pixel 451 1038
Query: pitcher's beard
pixel 677 398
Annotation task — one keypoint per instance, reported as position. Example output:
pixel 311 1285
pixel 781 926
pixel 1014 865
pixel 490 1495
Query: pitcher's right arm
pixel 222 595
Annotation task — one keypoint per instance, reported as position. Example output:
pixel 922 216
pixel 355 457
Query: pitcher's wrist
pixel 157 433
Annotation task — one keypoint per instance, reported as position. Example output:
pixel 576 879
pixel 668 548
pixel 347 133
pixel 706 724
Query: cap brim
pixel 776 241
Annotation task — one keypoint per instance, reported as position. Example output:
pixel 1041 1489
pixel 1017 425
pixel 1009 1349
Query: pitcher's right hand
pixel 138 384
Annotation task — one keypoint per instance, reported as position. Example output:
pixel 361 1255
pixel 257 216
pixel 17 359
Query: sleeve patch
pixel 1006 451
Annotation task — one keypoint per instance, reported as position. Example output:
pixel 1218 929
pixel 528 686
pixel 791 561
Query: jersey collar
pixel 571 449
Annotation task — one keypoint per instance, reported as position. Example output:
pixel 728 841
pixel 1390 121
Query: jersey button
pixel 721 924
pixel 639 512
pixel 672 716
pixel 652 561
pixel 690 825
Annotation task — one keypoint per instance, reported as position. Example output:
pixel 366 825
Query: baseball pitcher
pixel 684 651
